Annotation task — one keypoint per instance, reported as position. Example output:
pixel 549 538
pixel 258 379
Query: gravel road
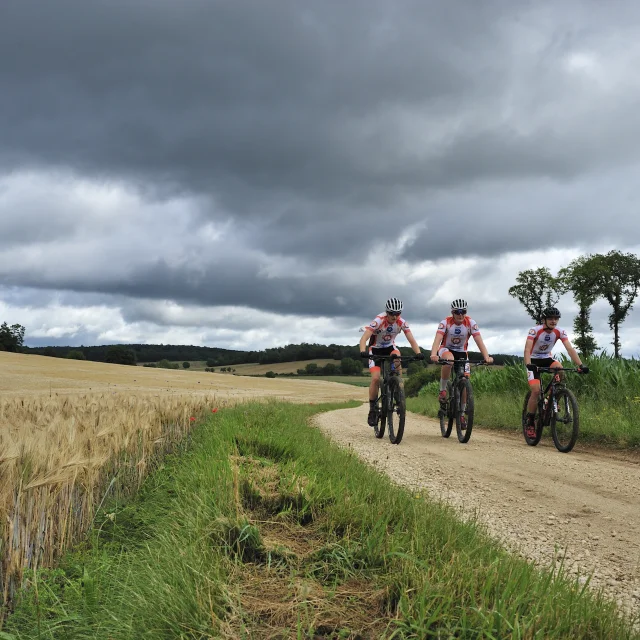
pixel 583 506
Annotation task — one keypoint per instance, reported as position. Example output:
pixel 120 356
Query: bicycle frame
pixel 547 409
pixel 460 392
pixel 386 372
pixel 390 400
pixel 556 407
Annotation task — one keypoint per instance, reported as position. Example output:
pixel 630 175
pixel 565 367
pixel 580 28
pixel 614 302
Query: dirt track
pixel 583 506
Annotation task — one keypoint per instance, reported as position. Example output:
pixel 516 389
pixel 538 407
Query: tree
pixel 11 337
pixel 537 289
pixel 580 277
pixel 349 366
pixel 75 354
pixel 117 354
pixel 270 374
pixel 311 369
pixel 617 278
pixel 211 363
pixel 186 365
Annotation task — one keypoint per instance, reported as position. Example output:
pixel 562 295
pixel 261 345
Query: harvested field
pixel 255 369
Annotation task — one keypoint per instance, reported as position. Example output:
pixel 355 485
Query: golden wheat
pixel 59 455
pixel 71 432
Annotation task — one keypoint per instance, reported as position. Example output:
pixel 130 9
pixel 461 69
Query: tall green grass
pixel 608 397
pixel 382 562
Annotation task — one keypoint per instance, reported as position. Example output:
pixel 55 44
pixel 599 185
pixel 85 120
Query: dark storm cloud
pixel 288 111
pixel 301 148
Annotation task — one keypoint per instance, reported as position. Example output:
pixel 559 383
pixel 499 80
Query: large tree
pixel 581 278
pixel 617 278
pixel 537 289
pixel 11 337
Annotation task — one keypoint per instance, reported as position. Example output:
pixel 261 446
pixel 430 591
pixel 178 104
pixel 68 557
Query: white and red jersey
pixel 455 337
pixel 385 331
pixel 543 340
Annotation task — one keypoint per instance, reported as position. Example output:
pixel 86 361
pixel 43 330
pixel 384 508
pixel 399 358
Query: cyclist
pixel 451 342
pixel 537 353
pixel 383 331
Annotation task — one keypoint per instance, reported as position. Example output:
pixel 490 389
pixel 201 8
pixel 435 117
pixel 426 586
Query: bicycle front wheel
pixel 396 408
pixel 464 419
pixel 532 442
pixel 446 417
pixel 565 424
pixel 381 409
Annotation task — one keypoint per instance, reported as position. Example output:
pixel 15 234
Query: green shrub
pixel 415 382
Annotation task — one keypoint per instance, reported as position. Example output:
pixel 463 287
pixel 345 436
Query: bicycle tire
pixel 396 405
pixel 381 420
pixel 567 414
pixel 464 435
pixel 532 442
pixel 446 420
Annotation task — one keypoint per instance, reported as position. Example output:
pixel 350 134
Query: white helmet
pixel 459 303
pixel 394 304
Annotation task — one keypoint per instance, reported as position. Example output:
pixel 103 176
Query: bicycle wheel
pixel 446 418
pixel 396 405
pixel 532 442
pixel 565 423
pixel 464 431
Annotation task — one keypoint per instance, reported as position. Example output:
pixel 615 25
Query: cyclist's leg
pixel 535 385
pixel 462 355
pixel 557 365
pixel 445 372
pixel 374 368
pixel 397 364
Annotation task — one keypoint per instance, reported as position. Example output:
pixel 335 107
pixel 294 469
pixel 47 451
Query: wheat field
pixel 73 432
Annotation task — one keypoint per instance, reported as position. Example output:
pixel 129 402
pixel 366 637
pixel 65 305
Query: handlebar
pixel 482 363
pixel 370 356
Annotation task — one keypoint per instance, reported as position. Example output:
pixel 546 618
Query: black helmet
pixel 393 304
pixel 550 312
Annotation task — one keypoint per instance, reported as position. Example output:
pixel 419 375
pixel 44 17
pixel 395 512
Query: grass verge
pixel 264 529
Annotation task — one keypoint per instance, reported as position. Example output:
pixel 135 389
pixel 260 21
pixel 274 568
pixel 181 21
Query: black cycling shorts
pixel 539 362
pixel 380 351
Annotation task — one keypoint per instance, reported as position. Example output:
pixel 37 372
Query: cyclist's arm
pixel 412 341
pixel 573 354
pixel 363 341
pixel 483 349
pixel 527 352
pixel 437 341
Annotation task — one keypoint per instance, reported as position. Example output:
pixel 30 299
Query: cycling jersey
pixel 385 332
pixel 543 340
pixel 455 337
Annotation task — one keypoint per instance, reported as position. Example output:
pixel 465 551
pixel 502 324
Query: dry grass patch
pixel 277 590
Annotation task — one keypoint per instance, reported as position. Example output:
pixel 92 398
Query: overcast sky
pixel 248 174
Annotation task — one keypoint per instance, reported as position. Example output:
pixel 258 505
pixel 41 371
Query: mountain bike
pixel 557 408
pixel 451 410
pixel 391 401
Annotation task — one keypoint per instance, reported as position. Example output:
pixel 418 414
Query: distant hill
pixel 224 357
pixel 154 353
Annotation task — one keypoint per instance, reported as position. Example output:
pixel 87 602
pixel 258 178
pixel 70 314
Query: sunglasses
pixel 460 312
pixel 393 313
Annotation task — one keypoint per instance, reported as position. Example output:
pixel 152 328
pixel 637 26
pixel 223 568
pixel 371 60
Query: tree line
pixel 614 277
